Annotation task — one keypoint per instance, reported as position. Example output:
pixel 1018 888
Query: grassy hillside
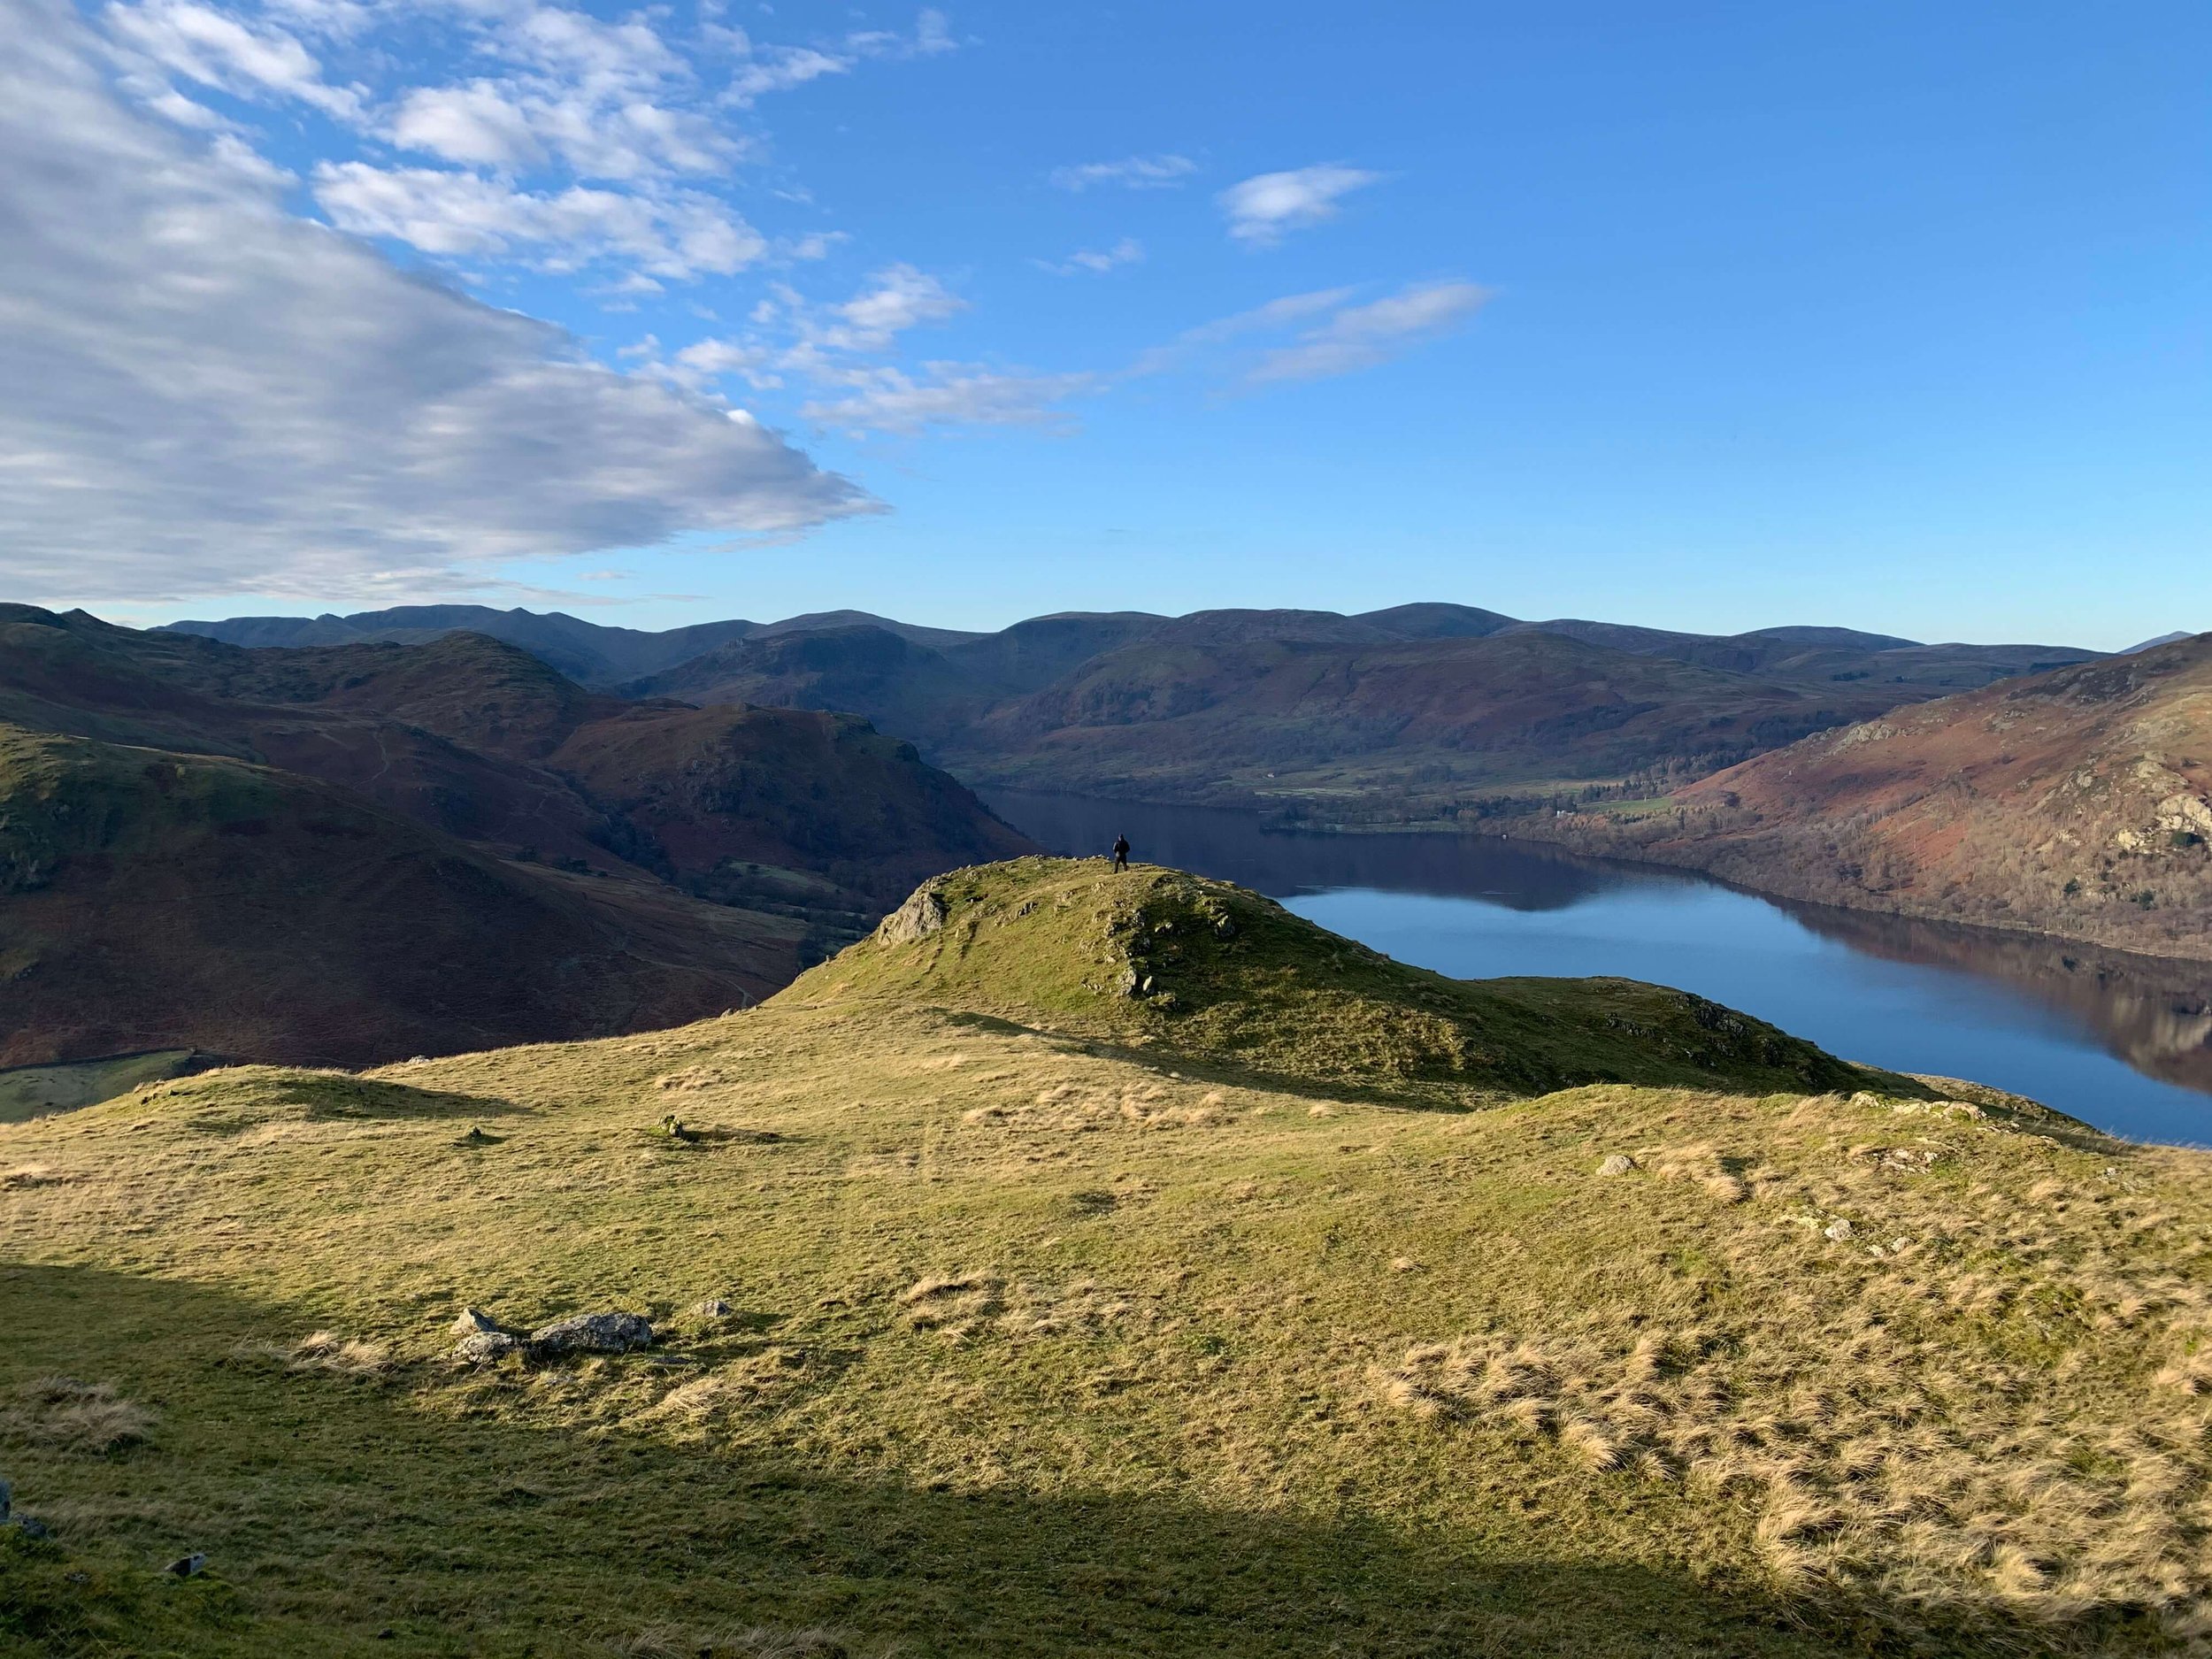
pixel 2076 803
pixel 1207 970
pixel 1060 1331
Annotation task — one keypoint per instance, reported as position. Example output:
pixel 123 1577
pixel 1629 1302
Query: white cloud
pixel 707 360
pixel 217 51
pixel 611 101
pixel 897 298
pixel 949 395
pixel 828 349
pixel 778 69
pixel 206 396
pixel 1134 173
pixel 765 69
pixel 814 245
pixel 1261 209
pixel 476 124
pixel 933 34
pixel 1275 314
pixel 1360 336
pixel 463 215
pixel 1128 250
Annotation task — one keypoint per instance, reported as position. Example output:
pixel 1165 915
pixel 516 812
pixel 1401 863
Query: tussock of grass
pixel 63 1414
pixel 325 1351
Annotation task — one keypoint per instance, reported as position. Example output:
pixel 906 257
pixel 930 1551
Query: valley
pixel 1421 715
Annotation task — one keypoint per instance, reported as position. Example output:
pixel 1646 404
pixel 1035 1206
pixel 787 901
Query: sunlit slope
pixel 2077 802
pixel 1056 1326
pixel 1214 971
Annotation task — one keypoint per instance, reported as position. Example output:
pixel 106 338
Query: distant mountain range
pixel 1417 711
pixel 2041 786
pixel 352 853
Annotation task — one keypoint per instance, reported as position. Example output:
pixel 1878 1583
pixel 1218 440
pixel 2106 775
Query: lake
pixel 2122 1041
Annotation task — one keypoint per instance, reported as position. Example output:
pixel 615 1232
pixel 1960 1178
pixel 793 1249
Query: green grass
pixel 1056 1334
pixel 1156 958
pixel 31 1091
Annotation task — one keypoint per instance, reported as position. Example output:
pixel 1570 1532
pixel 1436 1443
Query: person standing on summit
pixel 1121 852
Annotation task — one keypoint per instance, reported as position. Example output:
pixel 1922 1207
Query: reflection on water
pixel 1280 863
pixel 2153 1013
pixel 2124 1041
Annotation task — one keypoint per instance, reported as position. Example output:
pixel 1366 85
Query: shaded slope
pixel 1167 718
pixel 903 688
pixel 1209 971
pixel 2077 802
pixel 586 651
pixel 154 900
pixel 809 821
pixel 706 788
pixel 484 741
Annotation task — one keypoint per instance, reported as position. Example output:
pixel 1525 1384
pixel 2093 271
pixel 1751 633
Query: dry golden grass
pixel 1029 1342
pixel 63 1414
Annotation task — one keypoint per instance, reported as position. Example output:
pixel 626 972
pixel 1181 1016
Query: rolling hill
pixel 1409 714
pixel 1406 729
pixel 2077 802
pixel 570 858
pixel 1299 1304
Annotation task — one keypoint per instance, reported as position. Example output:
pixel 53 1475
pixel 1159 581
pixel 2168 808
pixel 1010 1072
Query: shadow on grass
pixel 1431 1092
pixel 343 1518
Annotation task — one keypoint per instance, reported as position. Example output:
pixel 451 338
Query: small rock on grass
pixel 1618 1163
pixel 186 1566
pixel 593 1334
pixel 713 1307
pixel 481 1347
pixel 484 1340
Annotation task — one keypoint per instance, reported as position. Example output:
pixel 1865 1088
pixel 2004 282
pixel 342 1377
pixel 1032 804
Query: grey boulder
pixel 592 1333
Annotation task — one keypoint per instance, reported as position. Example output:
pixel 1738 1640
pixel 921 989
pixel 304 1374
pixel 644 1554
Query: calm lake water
pixel 2125 1043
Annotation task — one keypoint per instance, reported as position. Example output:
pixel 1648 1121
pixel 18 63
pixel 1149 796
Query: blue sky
pixel 1704 317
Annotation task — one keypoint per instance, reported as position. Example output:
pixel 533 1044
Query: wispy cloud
pixel 1130 173
pixel 835 351
pixel 1128 250
pixel 206 394
pixel 1360 336
pixel 949 395
pixel 1262 208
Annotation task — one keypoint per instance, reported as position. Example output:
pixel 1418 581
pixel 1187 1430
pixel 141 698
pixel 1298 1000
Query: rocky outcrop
pixel 483 1339
pixel 922 914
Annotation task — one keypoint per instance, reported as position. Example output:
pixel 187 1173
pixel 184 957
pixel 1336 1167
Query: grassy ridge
pixel 1208 969
pixel 1045 1340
